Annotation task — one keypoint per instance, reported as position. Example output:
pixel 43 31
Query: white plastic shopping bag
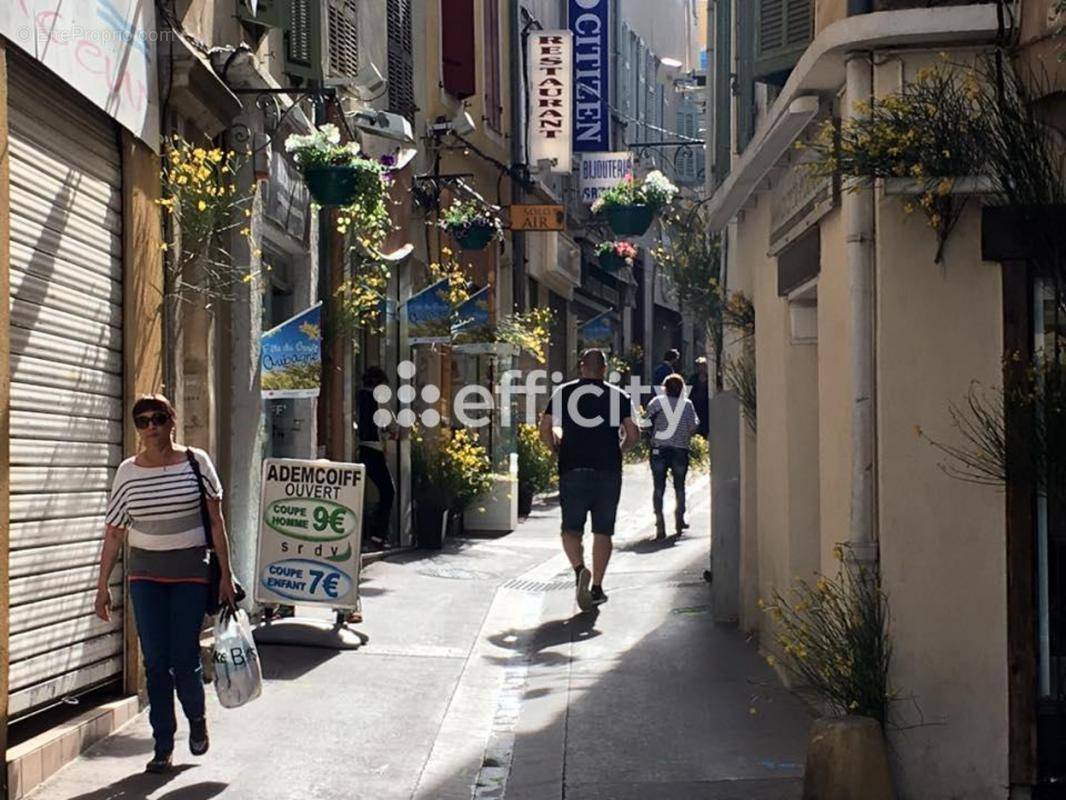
pixel 238 678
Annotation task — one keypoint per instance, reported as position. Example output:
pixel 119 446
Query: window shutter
pixel 784 28
pixel 303 39
pixel 401 59
pixel 493 94
pixel 343 38
pixel 457 40
pixel 268 13
pixel 642 94
pixel 744 86
pixel 723 89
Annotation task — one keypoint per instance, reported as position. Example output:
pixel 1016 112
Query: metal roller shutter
pixel 66 386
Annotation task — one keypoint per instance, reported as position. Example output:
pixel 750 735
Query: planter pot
pixel 475 237
pixel 611 261
pixel 525 500
pixel 454 526
pixel 334 185
pixel 431 526
pixel 629 220
pixel 847 758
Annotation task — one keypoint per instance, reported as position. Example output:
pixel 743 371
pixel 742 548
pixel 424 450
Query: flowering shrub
pixel 202 201
pixel 623 250
pixel 656 191
pixel 536 462
pixel 451 471
pixel 834 636
pixel 463 215
pixel 528 330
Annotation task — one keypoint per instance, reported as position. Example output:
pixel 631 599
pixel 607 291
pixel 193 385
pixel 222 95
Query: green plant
pixel 528 330
pixel 462 215
pixel 931 131
pixel 536 462
pixel 739 374
pixel 322 148
pixel 450 471
pixel 655 191
pixel 699 452
pixel 834 636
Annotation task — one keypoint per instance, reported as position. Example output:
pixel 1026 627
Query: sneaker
pixel 160 763
pixel 584 597
pixel 198 741
pixel 598 597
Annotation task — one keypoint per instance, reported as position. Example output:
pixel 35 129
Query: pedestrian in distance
pixel 673 420
pixel 156 503
pixel 700 395
pixel 372 453
pixel 588 423
pixel 671 361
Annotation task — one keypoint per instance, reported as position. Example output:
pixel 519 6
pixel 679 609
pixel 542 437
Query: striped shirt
pixel 662 410
pixel 160 509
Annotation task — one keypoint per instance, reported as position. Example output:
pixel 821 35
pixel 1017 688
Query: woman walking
pixel 156 502
pixel 674 420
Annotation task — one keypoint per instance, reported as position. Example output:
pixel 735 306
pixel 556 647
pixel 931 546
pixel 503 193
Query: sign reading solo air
pixel 590 24
pixel 551 79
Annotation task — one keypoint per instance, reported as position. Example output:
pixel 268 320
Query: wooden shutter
pixel 401 59
pixel 458 58
pixel 723 89
pixel 303 39
pixel 493 95
pixel 784 28
pixel 343 38
pixel 744 86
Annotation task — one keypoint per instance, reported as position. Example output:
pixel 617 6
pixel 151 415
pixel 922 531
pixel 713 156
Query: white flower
pixel 297 141
pixel 330 133
pixel 597 205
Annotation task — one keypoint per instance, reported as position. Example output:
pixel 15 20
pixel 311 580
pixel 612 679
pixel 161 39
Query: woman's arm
pixel 113 539
pixel 220 542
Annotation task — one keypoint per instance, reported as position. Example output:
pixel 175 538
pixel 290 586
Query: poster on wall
pixel 472 319
pixel 590 25
pixel 551 89
pixel 310 529
pixel 291 357
pixel 597 332
pixel 104 49
pixel 600 171
pixel 429 315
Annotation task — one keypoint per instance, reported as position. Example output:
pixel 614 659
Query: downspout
pixel 858 209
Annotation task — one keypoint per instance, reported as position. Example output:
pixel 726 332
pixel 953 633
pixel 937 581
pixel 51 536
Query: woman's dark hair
pixel 674 385
pixel 153 402
pixel 374 376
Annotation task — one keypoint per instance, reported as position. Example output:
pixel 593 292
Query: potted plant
pixel 536 468
pixel 336 174
pixel 630 206
pixel 615 255
pixel 471 224
pixel 449 472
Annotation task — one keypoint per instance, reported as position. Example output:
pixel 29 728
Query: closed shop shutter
pixel 66 386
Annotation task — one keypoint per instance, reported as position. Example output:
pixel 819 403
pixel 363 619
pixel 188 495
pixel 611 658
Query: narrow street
pixel 480 679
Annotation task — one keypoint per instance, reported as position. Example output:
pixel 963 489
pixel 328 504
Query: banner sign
pixel 291 356
pixel 600 171
pixel 590 24
pixel 525 217
pixel 104 49
pixel 472 322
pixel 310 529
pixel 598 332
pixel 429 315
pixel 551 81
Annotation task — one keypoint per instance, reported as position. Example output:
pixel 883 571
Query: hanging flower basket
pixel 475 237
pixel 629 220
pixel 334 185
pixel 614 256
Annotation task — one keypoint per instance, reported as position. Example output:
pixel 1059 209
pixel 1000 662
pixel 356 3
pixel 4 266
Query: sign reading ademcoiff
pixel 310 524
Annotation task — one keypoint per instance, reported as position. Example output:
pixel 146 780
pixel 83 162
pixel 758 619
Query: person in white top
pixel 673 420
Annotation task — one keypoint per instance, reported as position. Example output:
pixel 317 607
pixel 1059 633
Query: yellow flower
pixel 202 205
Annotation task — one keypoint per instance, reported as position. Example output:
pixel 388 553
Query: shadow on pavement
pixel 137 786
pixel 198 791
pixel 530 643
pixel 651 545
pixel 291 662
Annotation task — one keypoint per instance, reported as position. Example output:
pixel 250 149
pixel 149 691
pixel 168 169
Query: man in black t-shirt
pixel 596 421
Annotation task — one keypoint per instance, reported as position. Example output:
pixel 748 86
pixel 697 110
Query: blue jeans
pixel 169 618
pixel 674 460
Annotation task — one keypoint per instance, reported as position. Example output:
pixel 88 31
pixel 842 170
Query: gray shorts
pixel 589 491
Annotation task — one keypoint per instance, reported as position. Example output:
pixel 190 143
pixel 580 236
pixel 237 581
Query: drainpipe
pixel 858 208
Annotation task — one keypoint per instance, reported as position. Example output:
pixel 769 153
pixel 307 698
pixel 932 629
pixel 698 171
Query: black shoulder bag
pixel 214 569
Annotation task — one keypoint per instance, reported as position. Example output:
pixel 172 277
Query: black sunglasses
pixel 159 419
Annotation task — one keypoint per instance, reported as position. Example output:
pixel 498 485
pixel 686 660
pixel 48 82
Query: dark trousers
pixel 169 618
pixel 377 470
pixel 674 460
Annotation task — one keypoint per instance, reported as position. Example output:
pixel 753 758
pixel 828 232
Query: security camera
pixel 384 124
